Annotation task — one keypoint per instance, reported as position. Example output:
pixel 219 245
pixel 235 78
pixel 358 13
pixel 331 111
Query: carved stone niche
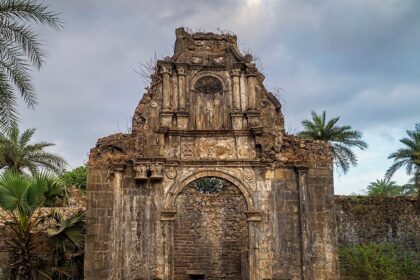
pixel 146 170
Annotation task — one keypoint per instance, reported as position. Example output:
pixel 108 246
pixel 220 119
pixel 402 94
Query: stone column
pixel 303 212
pixel 166 85
pixel 235 74
pixel 167 219
pixel 254 219
pixel 181 68
pixel 174 91
pixel 166 114
pixel 237 115
pixel 251 73
pixel 182 114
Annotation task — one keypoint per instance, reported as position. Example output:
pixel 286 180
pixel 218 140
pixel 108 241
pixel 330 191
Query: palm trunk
pixel 417 184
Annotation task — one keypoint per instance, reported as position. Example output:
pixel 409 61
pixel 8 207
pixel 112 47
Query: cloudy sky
pixel 358 59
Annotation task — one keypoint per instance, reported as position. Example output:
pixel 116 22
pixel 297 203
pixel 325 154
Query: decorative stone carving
pixel 157 171
pixel 153 104
pixel 187 150
pixel 171 172
pixel 141 171
pixel 249 174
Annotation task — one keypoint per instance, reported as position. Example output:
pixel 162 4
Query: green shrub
pixel 76 177
pixel 374 261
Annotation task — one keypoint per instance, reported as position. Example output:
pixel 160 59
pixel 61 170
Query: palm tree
pixel 19 50
pixel 408 156
pixel 55 190
pixel 383 187
pixel 341 138
pixel 18 155
pixel 20 197
pixel 67 235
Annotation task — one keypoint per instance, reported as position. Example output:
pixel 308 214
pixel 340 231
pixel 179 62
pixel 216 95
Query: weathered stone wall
pixel 362 219
pixel 210 234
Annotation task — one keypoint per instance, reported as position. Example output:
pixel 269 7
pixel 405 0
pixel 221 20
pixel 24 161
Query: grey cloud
pixel 357 59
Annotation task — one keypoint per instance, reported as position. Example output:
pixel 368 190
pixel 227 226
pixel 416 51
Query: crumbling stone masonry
pixel 208 114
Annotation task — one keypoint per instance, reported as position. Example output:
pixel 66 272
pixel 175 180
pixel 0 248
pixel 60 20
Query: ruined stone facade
pixel 208 114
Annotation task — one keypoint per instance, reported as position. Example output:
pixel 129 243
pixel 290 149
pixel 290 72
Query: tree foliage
pixel 408 157
pixel 384 187
pixel 20 197
pixel 76 177
pixel 68 238
pixel 17 154
pixel 341 138
pixel 20 50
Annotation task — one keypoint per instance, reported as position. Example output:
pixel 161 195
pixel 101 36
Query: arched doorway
pixel 210 231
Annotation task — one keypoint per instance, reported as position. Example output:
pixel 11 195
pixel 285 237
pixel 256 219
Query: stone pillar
pixel 251 73
pixel 243 92
pixel 182 114
pixel 181 68
pixel 166 114
pixel 235 74
pixel 174 91
pixel 167 219
pixel 254 219
pixel 303 213
pixel 166 85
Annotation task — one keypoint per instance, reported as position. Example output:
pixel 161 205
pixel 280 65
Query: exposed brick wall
pixel 211 234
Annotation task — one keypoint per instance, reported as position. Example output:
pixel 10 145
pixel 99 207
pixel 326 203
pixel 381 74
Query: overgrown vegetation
pixel 21 197
pixel 67 237
pixel 210 185
pixel 379 261
pixel 76 177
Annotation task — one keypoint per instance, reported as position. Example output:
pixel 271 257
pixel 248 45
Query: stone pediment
pixel 207 117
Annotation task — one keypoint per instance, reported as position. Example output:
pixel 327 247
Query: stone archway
pixel 175 233
pixel 211 232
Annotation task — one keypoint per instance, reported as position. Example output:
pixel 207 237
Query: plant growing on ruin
pixel 341 138
pixel 408 157
pixel 17 154
pixel 210 185
pixel 383 187
pixel 20 49
pixel 68 237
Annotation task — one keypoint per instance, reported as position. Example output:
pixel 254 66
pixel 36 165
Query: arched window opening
pixel 210 185
pixel 208 85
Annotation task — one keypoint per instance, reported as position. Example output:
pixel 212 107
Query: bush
pixel 384 261
pixel 76 177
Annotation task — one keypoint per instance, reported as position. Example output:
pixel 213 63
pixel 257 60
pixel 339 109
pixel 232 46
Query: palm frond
pixel 342 138
pixel 29 10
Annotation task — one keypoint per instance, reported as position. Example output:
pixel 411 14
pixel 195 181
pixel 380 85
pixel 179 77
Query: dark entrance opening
pixel 197 276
